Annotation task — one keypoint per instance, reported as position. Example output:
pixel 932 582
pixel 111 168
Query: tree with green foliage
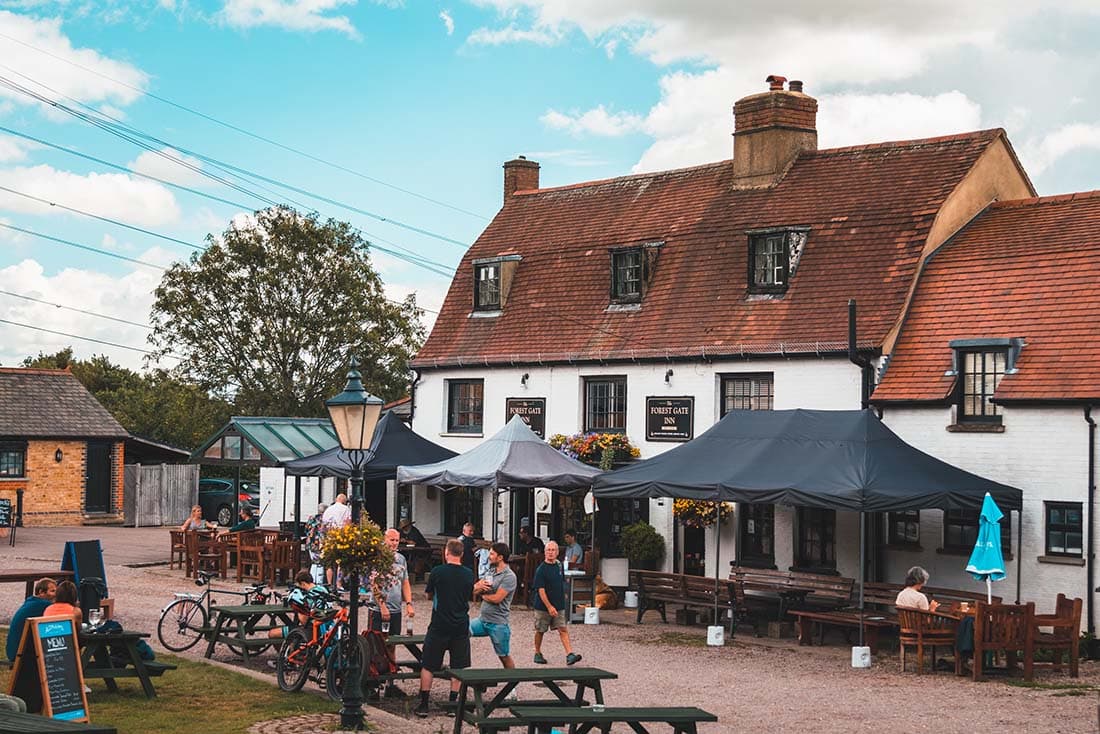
pixel 268 314
pixel 155 405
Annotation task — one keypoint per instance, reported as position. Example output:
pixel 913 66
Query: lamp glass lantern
pixel 354 413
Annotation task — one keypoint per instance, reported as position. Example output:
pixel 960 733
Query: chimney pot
pixel 775 82
pixel 795 86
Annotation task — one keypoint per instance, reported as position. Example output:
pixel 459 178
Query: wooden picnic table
pixel 477 681
pixel 682 719
pixel 16 723
pixel 95 659
pixel 30 575
pixel 848 619
pixel 237 627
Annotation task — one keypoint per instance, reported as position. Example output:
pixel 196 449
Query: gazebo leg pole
pixel 1019 550
pixel 862 568
pixel 717 559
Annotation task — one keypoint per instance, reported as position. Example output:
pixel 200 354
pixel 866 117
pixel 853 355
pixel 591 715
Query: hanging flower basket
pixel 596 449
pixel 700 514
pixel 358 550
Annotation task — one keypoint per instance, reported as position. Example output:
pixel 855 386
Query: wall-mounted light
pixel 58 456
pixel 523 380
pixel 668 376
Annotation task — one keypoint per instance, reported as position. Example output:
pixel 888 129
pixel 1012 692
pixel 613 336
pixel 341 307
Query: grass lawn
pixel 194 698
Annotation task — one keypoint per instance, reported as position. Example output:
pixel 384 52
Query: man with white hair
pixel 338 514
pixel 548 587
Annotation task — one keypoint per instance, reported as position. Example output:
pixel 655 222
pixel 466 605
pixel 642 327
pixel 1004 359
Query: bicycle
pixel 320 651
pixel 186 620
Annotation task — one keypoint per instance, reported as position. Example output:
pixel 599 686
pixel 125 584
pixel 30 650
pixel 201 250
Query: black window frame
pixel 753 380
pixel 1064 527
pixel 454 411
pixel 964 538
pixel 908 523
pixel 479 286
pixel 619 262
pixel 754 547
pixel 460 506
pixel 13 458
pixel 824 522
pixel 759 240
pixel 983 395
pixel 590 426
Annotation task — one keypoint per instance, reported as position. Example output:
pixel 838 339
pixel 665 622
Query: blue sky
pixel 433 97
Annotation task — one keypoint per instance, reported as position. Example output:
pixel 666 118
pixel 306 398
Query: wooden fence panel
pixel 160 494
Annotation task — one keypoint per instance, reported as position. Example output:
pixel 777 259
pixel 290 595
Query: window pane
pixel 465 411
pixel 1073 543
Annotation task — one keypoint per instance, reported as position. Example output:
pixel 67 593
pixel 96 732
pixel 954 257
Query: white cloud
pixel 597 121
pixel 113 195
pixel 170 165
pixel 854 119
pixel 291 15
pixel 512 34
pixel 448 21
pixel 128 296
pixel 569 157
pixel 1037 155
pixel 37 46
pixel 14 149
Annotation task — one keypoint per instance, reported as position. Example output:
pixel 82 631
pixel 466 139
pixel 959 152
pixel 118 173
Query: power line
pixel 85 338
pixel 250 134
pixel 126 132
pixel 77 310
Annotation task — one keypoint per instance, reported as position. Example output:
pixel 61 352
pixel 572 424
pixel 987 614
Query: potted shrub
pixel 643 545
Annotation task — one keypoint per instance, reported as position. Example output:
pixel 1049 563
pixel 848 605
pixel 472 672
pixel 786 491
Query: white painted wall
pixel 1044 452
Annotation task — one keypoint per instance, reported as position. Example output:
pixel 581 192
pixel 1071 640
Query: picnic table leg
pixel 242 636
pixel 142 671
pixel 871 634
pixel 460 711
pixel 102 656
pixel 215 631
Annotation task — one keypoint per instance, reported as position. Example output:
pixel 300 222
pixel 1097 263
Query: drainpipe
pixel 863 363
pixel 1092 503
pixel 412 395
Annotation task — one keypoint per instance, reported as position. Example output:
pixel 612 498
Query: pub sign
pixel 531 410
pixel 669 419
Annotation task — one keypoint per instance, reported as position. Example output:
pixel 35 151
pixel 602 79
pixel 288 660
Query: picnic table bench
pixel 238 625
pixel 30 575
pixel 796 589
pixel 657 589
pixel 476 708
pixel 12 722
pixel 682 719
pixel 95 659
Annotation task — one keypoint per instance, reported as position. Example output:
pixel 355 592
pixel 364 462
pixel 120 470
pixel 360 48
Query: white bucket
pixel 861 657
pixel 716 635
pixel 630 600
pixel 591 615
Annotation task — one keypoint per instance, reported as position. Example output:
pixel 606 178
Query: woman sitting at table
pixel 64 603
pixel 911 597
pixel 195 521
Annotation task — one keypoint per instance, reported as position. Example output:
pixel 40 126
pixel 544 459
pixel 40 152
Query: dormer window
pixel 487 287
pixel 632 269
pixel 980 365
pixel 773 258
pixel 493 278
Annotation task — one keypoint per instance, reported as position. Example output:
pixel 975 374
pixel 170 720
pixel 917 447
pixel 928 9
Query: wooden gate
pixel 159 494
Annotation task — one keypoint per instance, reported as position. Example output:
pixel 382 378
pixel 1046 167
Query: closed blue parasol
pixel 987 562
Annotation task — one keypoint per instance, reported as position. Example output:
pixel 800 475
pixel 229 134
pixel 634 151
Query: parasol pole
pixel 988 589
pixel 862 569
pixel 717 547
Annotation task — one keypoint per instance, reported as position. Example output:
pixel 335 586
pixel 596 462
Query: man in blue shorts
pixel 450 587
pixel 496 591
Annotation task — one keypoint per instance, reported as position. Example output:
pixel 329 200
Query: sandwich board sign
pixel 47 673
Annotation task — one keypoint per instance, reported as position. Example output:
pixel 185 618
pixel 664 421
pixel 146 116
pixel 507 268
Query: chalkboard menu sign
pixel 531 410
pixel 669 419
pixel 85 559
pixel 7 517
pixel 47 671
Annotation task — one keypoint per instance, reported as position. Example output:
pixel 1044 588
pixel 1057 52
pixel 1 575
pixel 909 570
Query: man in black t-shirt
pixel 450 587
pixel 469 546
pixel 529 543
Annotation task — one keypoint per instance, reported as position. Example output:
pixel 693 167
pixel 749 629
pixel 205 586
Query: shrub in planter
pixel 642 545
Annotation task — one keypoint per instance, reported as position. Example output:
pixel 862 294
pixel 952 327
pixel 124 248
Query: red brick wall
pixel 54 491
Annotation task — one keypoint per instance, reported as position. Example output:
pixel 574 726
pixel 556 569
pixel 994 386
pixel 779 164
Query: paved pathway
pixel 121 546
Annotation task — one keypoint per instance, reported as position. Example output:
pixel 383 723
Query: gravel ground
pixel 751 684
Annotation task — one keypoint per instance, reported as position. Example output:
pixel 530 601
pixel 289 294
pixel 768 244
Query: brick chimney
pixel 520 174
pixel 770 129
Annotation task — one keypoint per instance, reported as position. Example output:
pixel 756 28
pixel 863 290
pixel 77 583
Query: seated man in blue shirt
pixel 247 521
pixel 44 591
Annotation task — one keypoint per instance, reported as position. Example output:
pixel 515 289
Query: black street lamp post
pixel 354 414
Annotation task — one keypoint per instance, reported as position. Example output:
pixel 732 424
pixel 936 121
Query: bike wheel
pixel 296 659
pixel 181 625
pixel 340 661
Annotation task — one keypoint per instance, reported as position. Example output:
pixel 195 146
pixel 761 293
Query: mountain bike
pixel 321 649
pixel 186 620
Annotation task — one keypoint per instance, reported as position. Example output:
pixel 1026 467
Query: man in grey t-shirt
pixel 496 591
pixel 394 600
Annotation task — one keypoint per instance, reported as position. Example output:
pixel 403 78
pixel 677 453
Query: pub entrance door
pixel 97 478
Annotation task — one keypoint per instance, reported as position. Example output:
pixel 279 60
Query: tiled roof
pixel 1023 269
pixel 51 404
pixel 869 209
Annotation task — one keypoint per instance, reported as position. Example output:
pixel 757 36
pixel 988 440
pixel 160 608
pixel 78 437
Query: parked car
pixel 216 499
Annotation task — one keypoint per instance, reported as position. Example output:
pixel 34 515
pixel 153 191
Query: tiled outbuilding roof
pixel 37 403
pixel 869 210
pixel 1023 269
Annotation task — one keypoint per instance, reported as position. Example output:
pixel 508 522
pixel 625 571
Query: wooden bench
pixel 11 721
pixel 657 589
pixel 846 619
pixel 792 588
pixel 682 719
